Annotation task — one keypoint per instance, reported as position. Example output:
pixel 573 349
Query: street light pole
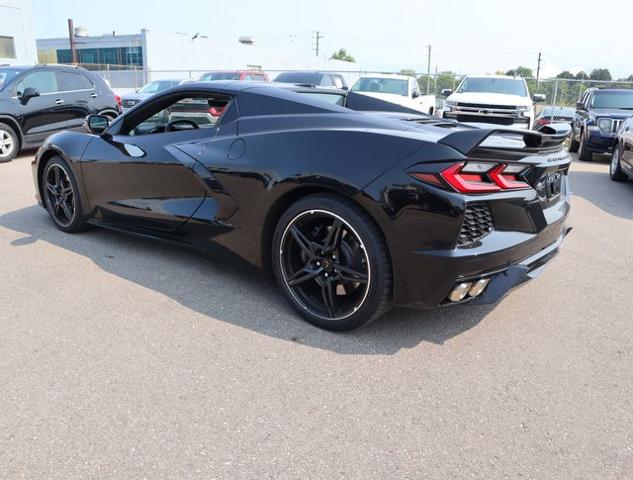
pixel 71 37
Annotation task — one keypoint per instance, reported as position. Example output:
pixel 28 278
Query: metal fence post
pixel 555 97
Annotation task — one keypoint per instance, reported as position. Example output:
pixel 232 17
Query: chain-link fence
pixel 558 92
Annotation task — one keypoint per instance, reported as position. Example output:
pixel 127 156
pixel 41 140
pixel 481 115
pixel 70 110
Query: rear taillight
pixel 118 100
pixel 216 111
pixel 542 121
pixel 477 177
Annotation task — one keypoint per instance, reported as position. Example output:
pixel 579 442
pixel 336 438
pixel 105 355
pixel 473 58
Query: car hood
pixel 490 99
pixel 611 112
pixel 387 97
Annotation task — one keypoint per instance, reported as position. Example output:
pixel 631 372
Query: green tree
pixel 566 74
pixel 581 76
pixel 342 54
pixel 524 72
pixel 408 72
pixel 600 74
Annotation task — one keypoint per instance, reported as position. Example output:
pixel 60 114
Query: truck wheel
pixel 584 154
pixel 573 146
pixel 615 169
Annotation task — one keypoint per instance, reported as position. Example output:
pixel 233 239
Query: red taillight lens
pixel 542 121
pixel 118 99
pixel 216 111
pixel 477 177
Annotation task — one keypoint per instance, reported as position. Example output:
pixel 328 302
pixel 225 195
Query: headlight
pixel 605 125
pixel 448 106
pixel 523 108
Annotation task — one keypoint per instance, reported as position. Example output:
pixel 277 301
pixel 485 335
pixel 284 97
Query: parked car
pixel 317 79
pixel 621 167
pixel 249 75
pixel 399 89
pixel 554 115
pixel 496 99
pixel 599 114
pixel 353 211
pixel 36 101
pixel 128 100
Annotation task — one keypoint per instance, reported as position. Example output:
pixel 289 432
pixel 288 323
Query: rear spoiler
pixel 550 136
pixel 365 103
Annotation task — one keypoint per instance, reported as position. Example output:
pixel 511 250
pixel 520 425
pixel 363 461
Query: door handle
pixel 59 101
pixel 94 95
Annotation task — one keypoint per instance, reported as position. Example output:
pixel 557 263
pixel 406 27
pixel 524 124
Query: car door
pixel 627 147
pixel 75 94
pixel 42 115
pixel 140 177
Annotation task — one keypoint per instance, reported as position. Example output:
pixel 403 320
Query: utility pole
pixel 428 72
pixel 318 37
pixel 71 37
pixel 538 71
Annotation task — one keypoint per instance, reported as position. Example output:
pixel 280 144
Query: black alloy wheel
pixel 331 268
pixel 60 196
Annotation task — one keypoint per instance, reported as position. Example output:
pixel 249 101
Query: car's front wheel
pixel 60 195
pixel 584 154
pixel 331 262
pixel 615 169
pixel 9 144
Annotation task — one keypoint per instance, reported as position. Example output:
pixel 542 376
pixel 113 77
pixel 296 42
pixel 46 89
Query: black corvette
pixel 353 210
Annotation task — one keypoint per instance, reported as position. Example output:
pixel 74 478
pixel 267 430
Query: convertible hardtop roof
pixel 233 87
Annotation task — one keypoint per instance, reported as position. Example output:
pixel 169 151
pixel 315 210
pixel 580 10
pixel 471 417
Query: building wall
pixel 17 34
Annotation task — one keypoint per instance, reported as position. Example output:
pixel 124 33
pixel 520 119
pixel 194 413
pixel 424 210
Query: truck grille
pixel 616 125
pixel 477 224
pixel 487 106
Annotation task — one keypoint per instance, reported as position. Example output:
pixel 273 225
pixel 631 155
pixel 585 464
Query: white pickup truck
pixel 495 99
pixel 398 89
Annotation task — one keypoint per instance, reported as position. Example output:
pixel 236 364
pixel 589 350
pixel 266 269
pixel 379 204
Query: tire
pixel 337 259
pixel 61 197
pixel 615 169
pixel 584 154
pixel 9 143
pixel 574 144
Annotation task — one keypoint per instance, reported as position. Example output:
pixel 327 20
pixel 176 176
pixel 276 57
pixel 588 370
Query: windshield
pixel 220 76
pixel 613 99
pixel 158 86
pixel 506 86
pixel 6 75
pixel 335 98
pixel 394 86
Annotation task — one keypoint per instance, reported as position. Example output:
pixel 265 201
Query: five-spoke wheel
pixel 331 262
pixel 60 195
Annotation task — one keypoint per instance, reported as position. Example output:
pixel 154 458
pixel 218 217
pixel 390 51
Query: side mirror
pixel 28 94
pixel 580 106
pixel 446 92
pixel 538 98
pixel 416 94
pixel 96 124
pixel 344 88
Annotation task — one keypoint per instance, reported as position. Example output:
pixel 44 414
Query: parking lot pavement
pixel 125 358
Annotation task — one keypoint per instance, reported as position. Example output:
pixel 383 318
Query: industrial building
pixel 17 37
pixel 131 60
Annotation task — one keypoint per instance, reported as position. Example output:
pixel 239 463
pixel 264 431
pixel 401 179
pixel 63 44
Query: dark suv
pixel 599 115
pixel 37 101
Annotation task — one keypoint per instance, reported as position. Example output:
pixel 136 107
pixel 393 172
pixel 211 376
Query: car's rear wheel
pixel 584 154
pixel 9 143
pixel 331 261
pixel 61 196
pixel 615 169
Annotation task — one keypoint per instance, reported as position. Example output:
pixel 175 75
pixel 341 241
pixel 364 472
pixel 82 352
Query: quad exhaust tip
pixel 470 289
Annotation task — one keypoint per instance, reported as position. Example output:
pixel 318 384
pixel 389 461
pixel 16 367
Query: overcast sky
pixel 468 36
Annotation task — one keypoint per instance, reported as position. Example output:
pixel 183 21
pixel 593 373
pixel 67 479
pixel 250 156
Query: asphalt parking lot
pixel 125 358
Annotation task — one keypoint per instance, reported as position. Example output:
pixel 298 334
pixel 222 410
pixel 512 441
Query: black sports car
pixel 353 211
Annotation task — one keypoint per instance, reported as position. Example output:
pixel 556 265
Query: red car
pixel 252 75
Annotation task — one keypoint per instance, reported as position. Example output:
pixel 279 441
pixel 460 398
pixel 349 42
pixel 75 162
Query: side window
pixel 338 81
pixel 326 81
pixel 71 81
pixel 45 81
pixel 190 113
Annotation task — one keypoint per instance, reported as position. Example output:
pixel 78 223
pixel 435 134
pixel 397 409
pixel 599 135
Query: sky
pixel 467 36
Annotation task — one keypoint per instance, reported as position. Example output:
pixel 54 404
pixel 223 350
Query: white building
pixel 17 35
pixel 175 55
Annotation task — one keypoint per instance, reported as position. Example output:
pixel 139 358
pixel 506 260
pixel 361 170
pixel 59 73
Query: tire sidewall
pixel 380 273
pixel 16 144
pixel 616 172
pixel 78 222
